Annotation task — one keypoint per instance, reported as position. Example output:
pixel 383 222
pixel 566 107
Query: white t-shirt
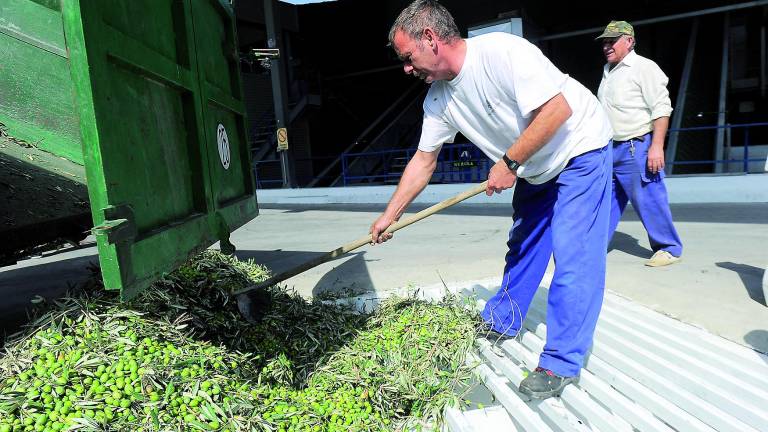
pixel 504 78
pixel 634 93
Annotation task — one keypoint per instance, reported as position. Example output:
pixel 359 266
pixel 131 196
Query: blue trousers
pixel 566 217
pixel 646 191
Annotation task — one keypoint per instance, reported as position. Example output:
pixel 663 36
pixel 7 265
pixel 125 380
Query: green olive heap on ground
pixel 180 357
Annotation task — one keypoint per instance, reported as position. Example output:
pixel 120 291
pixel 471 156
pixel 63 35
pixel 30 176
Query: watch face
pixel 511 164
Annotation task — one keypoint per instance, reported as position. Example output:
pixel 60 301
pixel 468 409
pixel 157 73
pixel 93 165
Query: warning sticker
pixel 282 139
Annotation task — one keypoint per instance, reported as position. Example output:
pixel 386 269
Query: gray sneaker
pixel 543 383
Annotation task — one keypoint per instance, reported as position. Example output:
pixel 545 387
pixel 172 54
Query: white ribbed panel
pixel 646 372
pixel 493 418
pixel 524 416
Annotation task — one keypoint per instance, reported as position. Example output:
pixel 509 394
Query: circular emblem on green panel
pixel 223 142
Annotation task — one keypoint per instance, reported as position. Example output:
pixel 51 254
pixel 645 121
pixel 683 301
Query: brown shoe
pixel 662 258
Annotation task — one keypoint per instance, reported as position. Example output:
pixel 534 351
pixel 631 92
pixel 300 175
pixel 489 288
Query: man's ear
pixel 430 37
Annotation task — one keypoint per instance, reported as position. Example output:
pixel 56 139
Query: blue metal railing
pixel 263 182
pixel 465 163
pixel 267 173
pixel 450 169
pixel 457 163
pixel 746 143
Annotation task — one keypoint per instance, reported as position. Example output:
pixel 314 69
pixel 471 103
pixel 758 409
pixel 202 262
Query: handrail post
pixel 746 150
pixel 279 90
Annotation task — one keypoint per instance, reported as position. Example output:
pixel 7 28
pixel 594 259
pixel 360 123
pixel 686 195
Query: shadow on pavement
pixel 47 279
pixel 349 276
pixel 628 244
pixel 750 276
pixel 756 339
pixel 278 260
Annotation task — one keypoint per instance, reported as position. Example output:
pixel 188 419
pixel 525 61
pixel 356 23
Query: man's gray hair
pixel 634 42
pixel 422 14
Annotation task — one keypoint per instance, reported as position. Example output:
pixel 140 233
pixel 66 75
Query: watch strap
pixel 512 164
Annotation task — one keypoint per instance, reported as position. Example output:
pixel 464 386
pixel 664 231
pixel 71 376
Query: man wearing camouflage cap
pixel 634 94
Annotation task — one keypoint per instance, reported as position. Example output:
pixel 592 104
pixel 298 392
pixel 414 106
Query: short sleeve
pixel 435 131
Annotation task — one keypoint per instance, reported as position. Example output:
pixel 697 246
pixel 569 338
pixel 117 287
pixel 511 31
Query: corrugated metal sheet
pixel 646 372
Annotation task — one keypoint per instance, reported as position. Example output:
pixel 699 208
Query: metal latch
pixel 118 224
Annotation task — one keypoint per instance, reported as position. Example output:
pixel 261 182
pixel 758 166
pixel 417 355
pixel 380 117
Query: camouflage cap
pixel 616 29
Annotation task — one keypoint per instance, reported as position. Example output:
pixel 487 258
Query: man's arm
pixel 656 150
pixel 415 178
pixel 547 119
pixel 653 85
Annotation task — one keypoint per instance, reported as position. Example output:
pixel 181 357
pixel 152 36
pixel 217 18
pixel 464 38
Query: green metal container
pixel 145 95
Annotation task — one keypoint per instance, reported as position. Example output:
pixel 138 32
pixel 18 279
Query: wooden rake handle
pixel 328 256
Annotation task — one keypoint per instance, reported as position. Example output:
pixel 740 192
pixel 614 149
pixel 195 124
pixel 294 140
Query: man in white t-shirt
pixel 634 94
pixel 549 135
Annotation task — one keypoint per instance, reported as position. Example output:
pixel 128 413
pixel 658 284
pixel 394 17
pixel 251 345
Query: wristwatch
pixel 512 164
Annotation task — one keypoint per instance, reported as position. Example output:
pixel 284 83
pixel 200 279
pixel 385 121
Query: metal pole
pixel 719 142
pixel 727 146
pixel 279 92
pixel 746 150
pixel 762 61
pixel 677 118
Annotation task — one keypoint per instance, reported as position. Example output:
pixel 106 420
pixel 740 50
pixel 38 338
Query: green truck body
pixel 139 104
